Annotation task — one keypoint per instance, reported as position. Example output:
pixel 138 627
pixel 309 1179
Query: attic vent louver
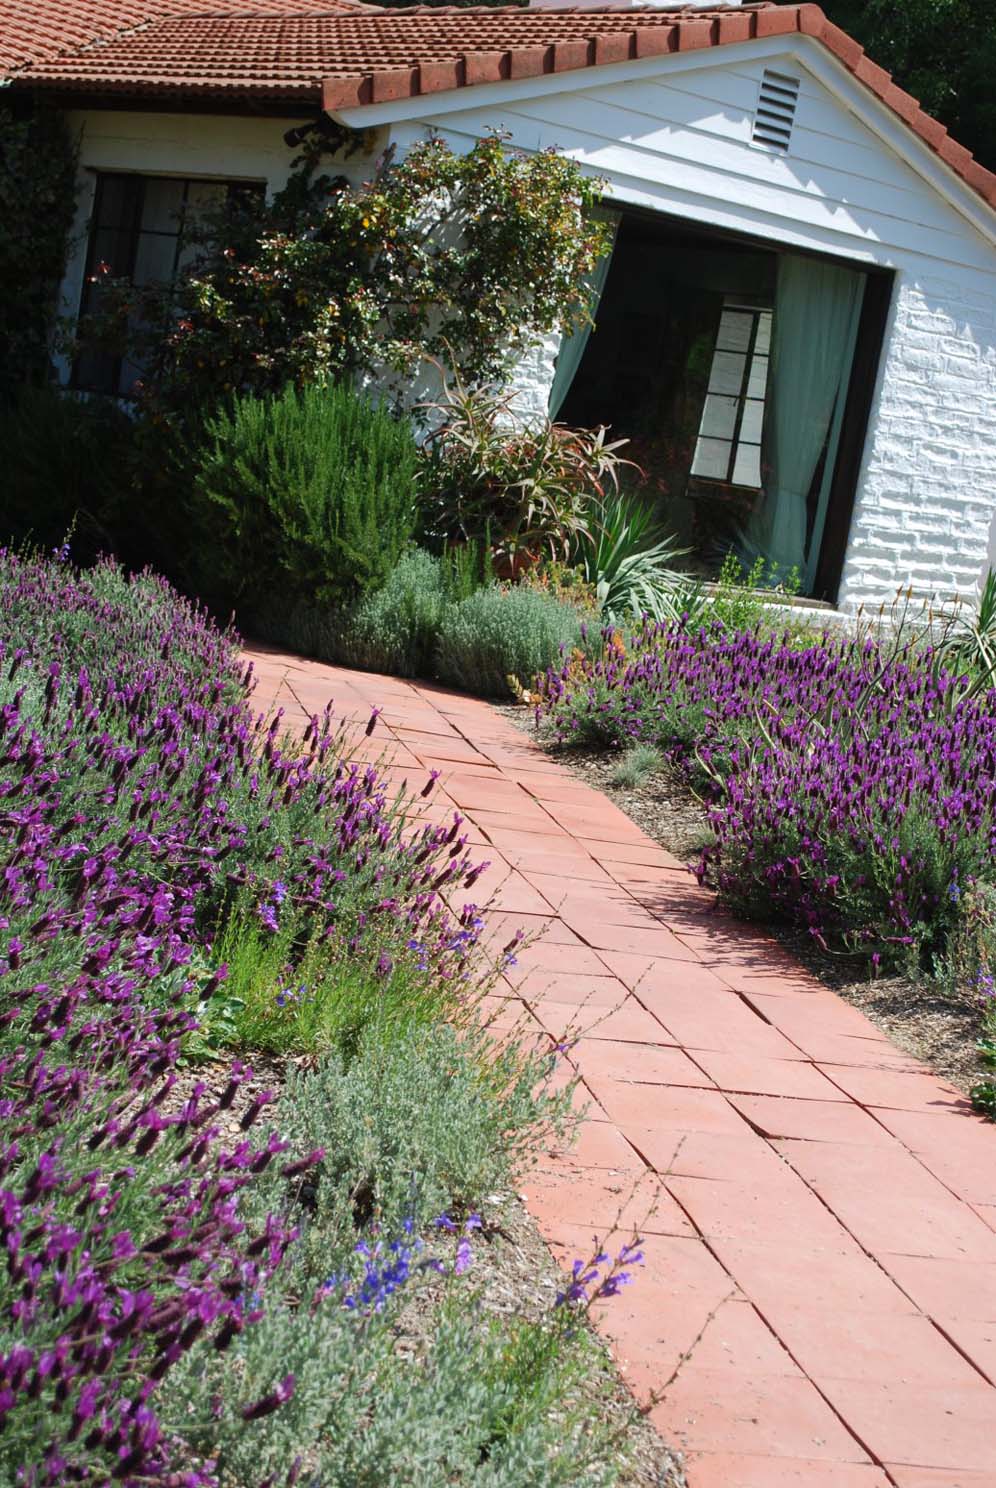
pixel 776 107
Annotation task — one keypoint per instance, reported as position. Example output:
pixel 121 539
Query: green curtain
pixel 572 346
pixel 826 482
pixel 817 307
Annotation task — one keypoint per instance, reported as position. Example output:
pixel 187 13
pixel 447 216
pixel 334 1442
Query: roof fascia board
pixel 457 100
pixel 806 51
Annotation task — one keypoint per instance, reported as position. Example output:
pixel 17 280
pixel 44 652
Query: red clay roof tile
pixel 340 54
pixel 31 30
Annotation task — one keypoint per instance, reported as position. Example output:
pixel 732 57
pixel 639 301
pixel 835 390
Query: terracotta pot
pixel 511 566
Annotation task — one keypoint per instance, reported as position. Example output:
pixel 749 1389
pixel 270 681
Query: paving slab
pixel 817 1305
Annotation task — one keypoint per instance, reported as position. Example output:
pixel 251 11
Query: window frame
pixel 741 306
pixel 135 232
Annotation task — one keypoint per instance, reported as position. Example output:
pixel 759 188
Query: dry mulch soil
pixel 919 1015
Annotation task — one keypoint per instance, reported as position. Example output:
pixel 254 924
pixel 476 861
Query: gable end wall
pixel 678 142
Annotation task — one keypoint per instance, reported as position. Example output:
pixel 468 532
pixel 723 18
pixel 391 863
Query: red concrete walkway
pixel 818 1305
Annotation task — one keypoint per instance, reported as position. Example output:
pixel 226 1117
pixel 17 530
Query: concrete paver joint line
pixel 817 1305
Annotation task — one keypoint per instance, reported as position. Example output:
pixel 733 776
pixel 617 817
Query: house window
pixel 728 448
pixel 141 231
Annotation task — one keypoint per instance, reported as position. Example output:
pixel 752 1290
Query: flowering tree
pixel 467 257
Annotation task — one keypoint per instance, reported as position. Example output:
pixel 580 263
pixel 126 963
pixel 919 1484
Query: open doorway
pixel 733 369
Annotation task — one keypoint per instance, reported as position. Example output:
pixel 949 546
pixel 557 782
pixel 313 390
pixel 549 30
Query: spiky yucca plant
pixel 629 558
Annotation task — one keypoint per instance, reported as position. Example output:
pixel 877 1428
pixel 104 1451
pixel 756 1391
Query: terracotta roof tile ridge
pixel 392 15
pixel 674 11
pixel 261 11
pixel 376 56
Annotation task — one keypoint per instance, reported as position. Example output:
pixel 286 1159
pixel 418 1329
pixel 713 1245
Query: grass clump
pixel 295 990
pixel 636 766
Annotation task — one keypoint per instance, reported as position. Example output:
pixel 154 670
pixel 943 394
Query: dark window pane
pixel 163 207
pixel 137 229
pixel 113 247
pixel 154 259
pixel 118 199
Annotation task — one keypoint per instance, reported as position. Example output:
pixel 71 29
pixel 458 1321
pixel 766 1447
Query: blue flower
pixel 464 1257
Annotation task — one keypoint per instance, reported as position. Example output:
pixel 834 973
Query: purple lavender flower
pixel 141 799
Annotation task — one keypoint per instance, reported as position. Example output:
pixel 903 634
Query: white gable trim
pixel 881 120
pixel 799 50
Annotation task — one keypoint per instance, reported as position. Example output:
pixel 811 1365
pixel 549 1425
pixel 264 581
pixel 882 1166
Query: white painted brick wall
pixel 925 514
pixel 534 378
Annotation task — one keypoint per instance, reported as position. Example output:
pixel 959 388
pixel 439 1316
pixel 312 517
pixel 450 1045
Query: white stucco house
pixel 797 324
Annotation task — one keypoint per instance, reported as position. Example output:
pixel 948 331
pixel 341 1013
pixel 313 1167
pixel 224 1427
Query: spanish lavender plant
pixel 850 788
pixel 141 801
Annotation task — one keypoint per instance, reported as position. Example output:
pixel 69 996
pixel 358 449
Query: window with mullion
pixel 138 232
pixel 728 448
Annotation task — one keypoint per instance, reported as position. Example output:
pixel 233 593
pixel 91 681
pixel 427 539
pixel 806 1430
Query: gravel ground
pixel 513 1269
pixel 920 1016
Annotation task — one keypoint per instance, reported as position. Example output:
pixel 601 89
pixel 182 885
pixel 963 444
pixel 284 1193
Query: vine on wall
pixel 37 206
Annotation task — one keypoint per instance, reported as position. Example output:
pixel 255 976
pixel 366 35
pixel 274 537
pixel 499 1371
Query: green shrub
pixel 500 633
pixel 395 629
pixel 310 491
pixel 65 466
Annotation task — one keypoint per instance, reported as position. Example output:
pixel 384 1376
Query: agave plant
pixel 528 483
pixel 630 558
